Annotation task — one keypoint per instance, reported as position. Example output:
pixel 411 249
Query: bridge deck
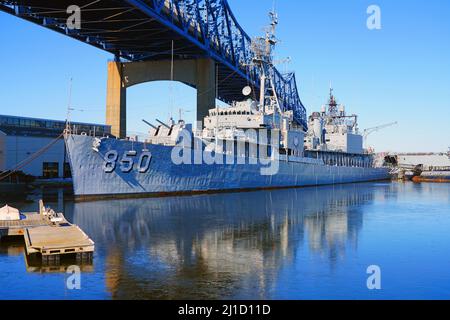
pixel 141 30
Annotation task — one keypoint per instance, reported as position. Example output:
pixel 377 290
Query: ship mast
pixel 332 104
pixel 263 48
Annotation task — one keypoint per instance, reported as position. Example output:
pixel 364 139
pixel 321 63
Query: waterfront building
pixel 22 139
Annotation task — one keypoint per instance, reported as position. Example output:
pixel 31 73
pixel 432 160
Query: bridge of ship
pixel 142 31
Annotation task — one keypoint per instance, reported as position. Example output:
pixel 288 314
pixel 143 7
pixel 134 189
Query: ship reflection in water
pixel 285 244
pixel 214 246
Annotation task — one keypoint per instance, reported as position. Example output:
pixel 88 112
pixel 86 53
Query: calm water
pixel 312 243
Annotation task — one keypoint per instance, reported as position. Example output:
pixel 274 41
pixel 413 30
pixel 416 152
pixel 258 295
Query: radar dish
pixel 247 91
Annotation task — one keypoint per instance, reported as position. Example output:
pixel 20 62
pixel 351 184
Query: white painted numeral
pixel 110 161
pixel 127 162
pixel 144 162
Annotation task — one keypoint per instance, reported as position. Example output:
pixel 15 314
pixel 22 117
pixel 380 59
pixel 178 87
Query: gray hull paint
pixel 164 177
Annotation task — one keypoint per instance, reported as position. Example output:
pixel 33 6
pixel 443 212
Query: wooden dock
pixel 53 241
pixel 50 236
pixel 17 227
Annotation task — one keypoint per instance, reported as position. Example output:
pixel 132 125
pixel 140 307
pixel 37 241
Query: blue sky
pixel 399 73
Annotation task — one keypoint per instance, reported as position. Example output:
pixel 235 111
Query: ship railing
pixel 437 168
pixel 165 141
pixel 94 132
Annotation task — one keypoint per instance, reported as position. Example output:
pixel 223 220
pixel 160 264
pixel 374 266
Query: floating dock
pixel 50 236
pixel 434 176
pixel 14 228
pixel 51 242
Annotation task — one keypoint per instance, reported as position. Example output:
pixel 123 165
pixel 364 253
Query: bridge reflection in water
pixel 219 246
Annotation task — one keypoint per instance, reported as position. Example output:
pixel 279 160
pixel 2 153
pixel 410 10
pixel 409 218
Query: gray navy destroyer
pixel 251 144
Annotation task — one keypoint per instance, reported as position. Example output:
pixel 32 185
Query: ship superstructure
pixel 334 137
pixel 332 129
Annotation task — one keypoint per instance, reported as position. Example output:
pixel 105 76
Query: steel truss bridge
pixel 140 30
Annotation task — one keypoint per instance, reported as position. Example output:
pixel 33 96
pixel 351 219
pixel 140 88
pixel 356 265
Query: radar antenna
pixel 263 48
pixel 332 103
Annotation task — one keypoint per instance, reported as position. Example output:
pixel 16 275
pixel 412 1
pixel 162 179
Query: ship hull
pixel 162 177
pixel 430 176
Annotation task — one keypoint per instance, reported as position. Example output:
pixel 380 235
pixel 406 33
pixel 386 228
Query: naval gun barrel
pixel 149 124
pixel 162 123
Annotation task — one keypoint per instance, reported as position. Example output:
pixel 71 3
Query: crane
pixel 368 132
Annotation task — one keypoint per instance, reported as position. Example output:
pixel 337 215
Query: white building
pixel 22 139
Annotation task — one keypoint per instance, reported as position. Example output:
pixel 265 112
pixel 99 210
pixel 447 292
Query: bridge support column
pixel 116 100
pixel 206 87
pixel 199 73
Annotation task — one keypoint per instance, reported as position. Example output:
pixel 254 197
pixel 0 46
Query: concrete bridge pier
pixel 116 100
pixel 199 73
